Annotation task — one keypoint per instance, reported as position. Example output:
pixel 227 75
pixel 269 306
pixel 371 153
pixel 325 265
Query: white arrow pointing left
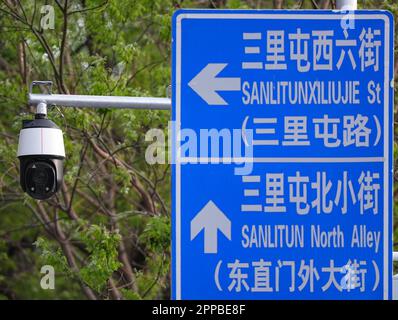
pixel 206 84
pixel 210 219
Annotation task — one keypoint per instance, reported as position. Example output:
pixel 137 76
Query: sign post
pixel 282 173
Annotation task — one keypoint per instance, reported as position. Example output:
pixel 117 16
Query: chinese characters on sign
pixel 305 275
pixel 350 130
pixel 327 195
pixel 278 47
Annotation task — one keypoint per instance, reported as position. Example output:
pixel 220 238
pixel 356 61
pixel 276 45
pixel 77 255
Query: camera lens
pixel 40 179
pixel 40 176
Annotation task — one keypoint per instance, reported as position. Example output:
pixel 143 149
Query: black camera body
pixel 41 155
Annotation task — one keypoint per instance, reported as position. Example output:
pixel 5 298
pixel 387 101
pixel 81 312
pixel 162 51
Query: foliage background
pixel 108 231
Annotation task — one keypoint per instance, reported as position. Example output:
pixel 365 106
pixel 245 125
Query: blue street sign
pixel 282 155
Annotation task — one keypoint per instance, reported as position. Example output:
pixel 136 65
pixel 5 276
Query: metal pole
pixel 346 5
pixel 41 108
pixel 85 101
pixel 395 279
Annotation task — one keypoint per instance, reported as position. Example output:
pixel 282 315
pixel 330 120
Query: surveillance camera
pixel 41 154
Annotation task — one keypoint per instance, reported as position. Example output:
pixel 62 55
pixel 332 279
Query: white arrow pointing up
pixel 210 219
pixel 206 85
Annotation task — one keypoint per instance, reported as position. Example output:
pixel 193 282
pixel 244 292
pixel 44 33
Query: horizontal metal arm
pixel 85 101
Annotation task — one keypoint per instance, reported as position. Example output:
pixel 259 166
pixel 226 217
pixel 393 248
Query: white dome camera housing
pixel 41 154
